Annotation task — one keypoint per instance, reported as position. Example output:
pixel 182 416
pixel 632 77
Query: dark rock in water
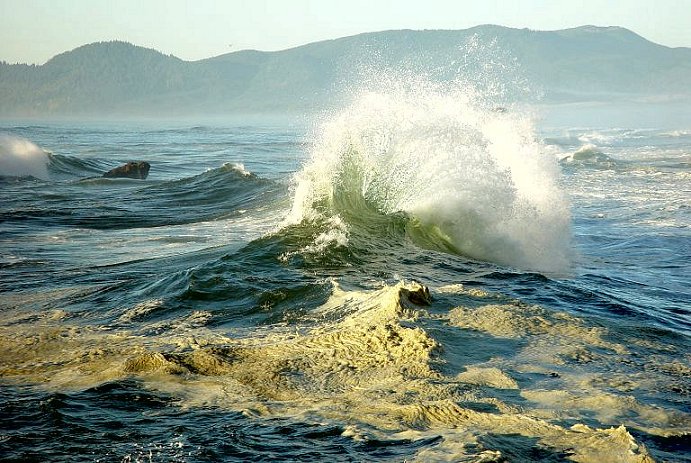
pixel 138 170
pixel 418 296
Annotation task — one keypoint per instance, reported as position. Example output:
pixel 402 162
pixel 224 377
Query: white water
pixel 477 176
pixel 21 157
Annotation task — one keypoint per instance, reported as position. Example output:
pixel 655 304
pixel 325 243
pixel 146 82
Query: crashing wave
pixel 471 180
pixel 20 157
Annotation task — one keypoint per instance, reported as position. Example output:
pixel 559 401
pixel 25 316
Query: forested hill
pixel 585 63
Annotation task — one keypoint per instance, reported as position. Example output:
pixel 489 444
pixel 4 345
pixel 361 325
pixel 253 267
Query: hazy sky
pixel 33 31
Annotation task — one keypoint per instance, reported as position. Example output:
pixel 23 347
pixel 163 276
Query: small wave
pixel 239 167
pixel 612 136
pixel 20 157
pixel 676 133
pixel 71 166
pixel 121 203
pixel 589 155
pixel 226 191
pixel 229 182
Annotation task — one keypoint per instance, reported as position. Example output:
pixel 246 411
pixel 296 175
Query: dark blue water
pixel 189 316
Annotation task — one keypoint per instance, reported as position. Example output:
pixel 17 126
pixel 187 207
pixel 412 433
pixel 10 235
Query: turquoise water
pixel 395 281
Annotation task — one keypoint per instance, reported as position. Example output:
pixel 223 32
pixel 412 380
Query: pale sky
pixel 32 31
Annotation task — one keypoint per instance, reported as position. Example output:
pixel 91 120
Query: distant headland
pixel 117 78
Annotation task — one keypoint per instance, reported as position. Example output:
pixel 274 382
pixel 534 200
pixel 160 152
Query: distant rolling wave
pixel 219 193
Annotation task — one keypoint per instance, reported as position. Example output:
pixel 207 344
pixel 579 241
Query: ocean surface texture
pixel 412 278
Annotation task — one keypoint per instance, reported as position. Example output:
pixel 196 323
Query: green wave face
pixel 468 180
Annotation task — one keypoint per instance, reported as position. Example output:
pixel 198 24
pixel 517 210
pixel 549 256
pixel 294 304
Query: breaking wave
pixel 468 179
pixel 20 157
pixel 588 155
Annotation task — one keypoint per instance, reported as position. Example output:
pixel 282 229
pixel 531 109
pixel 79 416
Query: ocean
pixel 408 278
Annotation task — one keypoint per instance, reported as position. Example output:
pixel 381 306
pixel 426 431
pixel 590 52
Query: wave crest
pixel 588 155
pixel 20 157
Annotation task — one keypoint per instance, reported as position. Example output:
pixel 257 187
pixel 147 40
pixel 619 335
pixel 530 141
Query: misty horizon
pixel 580 64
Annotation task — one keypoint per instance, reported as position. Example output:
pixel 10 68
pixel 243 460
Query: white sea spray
pixel 21 157
pixel 475 175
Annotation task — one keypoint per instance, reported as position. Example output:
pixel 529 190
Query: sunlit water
pixel 258 296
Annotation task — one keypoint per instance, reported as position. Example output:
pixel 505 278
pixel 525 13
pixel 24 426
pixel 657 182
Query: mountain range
pixel 586 63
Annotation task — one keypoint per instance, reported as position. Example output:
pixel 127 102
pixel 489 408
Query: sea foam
pixel 476 177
